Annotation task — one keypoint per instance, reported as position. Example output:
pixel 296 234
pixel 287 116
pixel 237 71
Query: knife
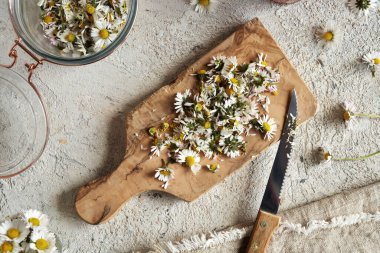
pixel 267 221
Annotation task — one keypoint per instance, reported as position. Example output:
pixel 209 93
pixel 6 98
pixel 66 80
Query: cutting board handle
pixel 101 199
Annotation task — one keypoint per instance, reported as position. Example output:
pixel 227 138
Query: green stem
pixel 372 116
pixel 356 158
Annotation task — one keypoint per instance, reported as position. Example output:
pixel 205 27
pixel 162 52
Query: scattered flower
pixel 214 167
pixel 329 36
pixel 326 156
pixel 362 7
pixel 191 159
pixel 373 61
pixel 267 126
pixel 164 174
pixel 202 6
pixel 349 114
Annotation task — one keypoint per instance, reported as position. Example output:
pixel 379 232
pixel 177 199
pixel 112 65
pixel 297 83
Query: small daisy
pixel 164 174
pixel 182 100
pixel 35 219
pixel 268 126
pixel 190 158
pixel 157 147
pixel 329 36
pixel 43 241
pixel 262 60
pixel 362 7
pixel 348 112
pixel 9 246
pixel 103 34
pixel 68 38
pixel 324 155
pixel 373 61
pixel 14 230
pixel 229 67
pixel 202 6
pixel 217 63
pixel 213 167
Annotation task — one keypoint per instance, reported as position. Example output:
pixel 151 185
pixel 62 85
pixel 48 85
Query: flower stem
pixel 356 158
pixel 372 116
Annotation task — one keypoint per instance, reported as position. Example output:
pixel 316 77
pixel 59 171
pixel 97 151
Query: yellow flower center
pixel 165 172
pixel 266 127
pixel 190 161
pixel 70 37
pixel 234 81
pixel 42 244
pixel 326 156
pixel 165 126
pixel 207 125
pixel 328 36
pixel 376 61
pixel 229 91
pixel 218 79
pixel 13 233
pixel 48 19
pixel 6 247
pixel 34 221
pixel 346 116
pixel 264 63
pixel 90 9
pixel 198 107
pixel 275 93
pixel 104 34
pixel 202 72
pixel 204 2
pixel 213 167
pixel 181 136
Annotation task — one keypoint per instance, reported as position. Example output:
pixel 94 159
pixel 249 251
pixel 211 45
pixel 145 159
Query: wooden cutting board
pixel 100 200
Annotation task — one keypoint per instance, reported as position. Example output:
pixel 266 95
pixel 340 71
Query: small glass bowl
pixel 25 16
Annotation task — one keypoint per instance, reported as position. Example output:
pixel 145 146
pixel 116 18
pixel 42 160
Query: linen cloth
pixel 352 220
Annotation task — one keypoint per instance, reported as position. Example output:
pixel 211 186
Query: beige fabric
pixel 360 237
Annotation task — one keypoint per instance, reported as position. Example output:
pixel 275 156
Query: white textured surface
pixel 86 107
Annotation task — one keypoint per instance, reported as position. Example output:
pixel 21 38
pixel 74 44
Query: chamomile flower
pixel 42 241
pixel 164 174
pixel 35 219
pixel 214 167
pixel 329 36
pixel 7 246
pixel 157 147
pixel 68 38
pixel 102 34
pixel 229 67
pixel 362 7
pixel 217 63
pixel 14 230
pixel 324 155
pixel 202 6
pixel 267 126
pixel 189 158
pixel 348 112
pixel 262 60
pixel 373 61
pixel 182 100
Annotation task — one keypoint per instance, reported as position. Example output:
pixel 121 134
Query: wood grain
pixel 99 200
pixel 265 225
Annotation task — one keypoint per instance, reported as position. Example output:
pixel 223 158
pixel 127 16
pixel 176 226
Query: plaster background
pixel 87 106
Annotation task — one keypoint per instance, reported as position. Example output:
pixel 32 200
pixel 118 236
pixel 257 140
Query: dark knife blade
pixel 271 199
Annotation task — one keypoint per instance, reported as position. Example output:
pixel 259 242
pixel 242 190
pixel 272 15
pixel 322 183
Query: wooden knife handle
pixel 262 232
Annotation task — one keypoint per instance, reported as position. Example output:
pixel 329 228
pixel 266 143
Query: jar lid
pixel 23 124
